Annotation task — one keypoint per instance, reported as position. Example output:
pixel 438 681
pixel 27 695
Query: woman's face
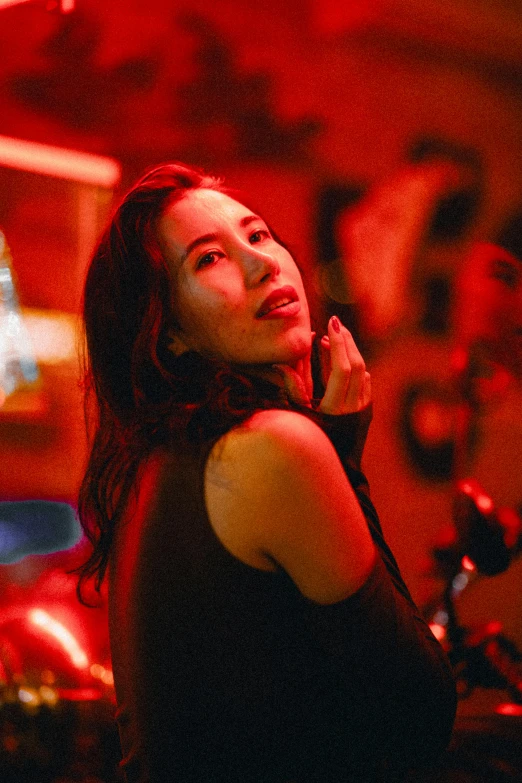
pixel 238 294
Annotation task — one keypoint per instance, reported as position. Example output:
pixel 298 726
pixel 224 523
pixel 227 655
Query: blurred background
pixel 382 140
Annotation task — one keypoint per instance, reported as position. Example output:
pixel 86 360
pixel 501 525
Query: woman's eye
pixel 207 259
pixel 259 235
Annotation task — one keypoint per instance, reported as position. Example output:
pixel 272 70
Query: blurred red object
pixel 48 638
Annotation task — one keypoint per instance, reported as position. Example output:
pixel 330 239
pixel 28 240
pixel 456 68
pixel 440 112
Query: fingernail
pixel 336 326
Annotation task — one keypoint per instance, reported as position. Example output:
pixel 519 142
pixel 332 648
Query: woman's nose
pixel 259 266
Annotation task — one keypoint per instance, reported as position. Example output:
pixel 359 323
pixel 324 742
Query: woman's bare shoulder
pixel 285 433
pixel 275 486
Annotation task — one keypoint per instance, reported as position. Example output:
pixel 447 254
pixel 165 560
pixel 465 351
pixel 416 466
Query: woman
pixel 260 629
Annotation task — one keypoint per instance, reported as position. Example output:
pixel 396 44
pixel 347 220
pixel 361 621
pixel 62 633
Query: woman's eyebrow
pixel 245 221
pixel 196 242
pixel 249 219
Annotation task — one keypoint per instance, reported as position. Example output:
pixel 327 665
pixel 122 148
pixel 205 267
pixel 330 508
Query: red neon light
pixel 62 635
pixel 509 709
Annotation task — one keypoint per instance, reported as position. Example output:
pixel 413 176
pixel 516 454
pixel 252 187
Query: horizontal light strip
pixel 6 3
pixel 59 162
pixel 66 6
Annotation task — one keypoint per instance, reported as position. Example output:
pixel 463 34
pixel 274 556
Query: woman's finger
pixel 340 369
pixel 356 385
pixel 348 386
pixel 324 357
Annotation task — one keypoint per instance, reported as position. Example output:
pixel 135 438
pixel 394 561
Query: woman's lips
pixel 284 311
pixel 281 303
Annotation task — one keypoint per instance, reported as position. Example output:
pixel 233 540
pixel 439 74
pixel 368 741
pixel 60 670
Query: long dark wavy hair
pixel 139 395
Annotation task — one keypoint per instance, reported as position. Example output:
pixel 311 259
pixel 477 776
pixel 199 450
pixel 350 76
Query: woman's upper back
pixel 212 663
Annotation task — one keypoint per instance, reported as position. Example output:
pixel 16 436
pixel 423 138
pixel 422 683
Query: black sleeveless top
pixel 227 673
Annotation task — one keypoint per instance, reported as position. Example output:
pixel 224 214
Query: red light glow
pixel 101 673
pixel 509 709
pixel 438 631
pixel 484 503
pixel 472 488
pixel 79 694
pixel 59 632
pixel 468 564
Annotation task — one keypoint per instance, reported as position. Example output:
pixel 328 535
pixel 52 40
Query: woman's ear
pixel 176 343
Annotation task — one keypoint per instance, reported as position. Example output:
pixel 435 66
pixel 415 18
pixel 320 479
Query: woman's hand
pixel 348 384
